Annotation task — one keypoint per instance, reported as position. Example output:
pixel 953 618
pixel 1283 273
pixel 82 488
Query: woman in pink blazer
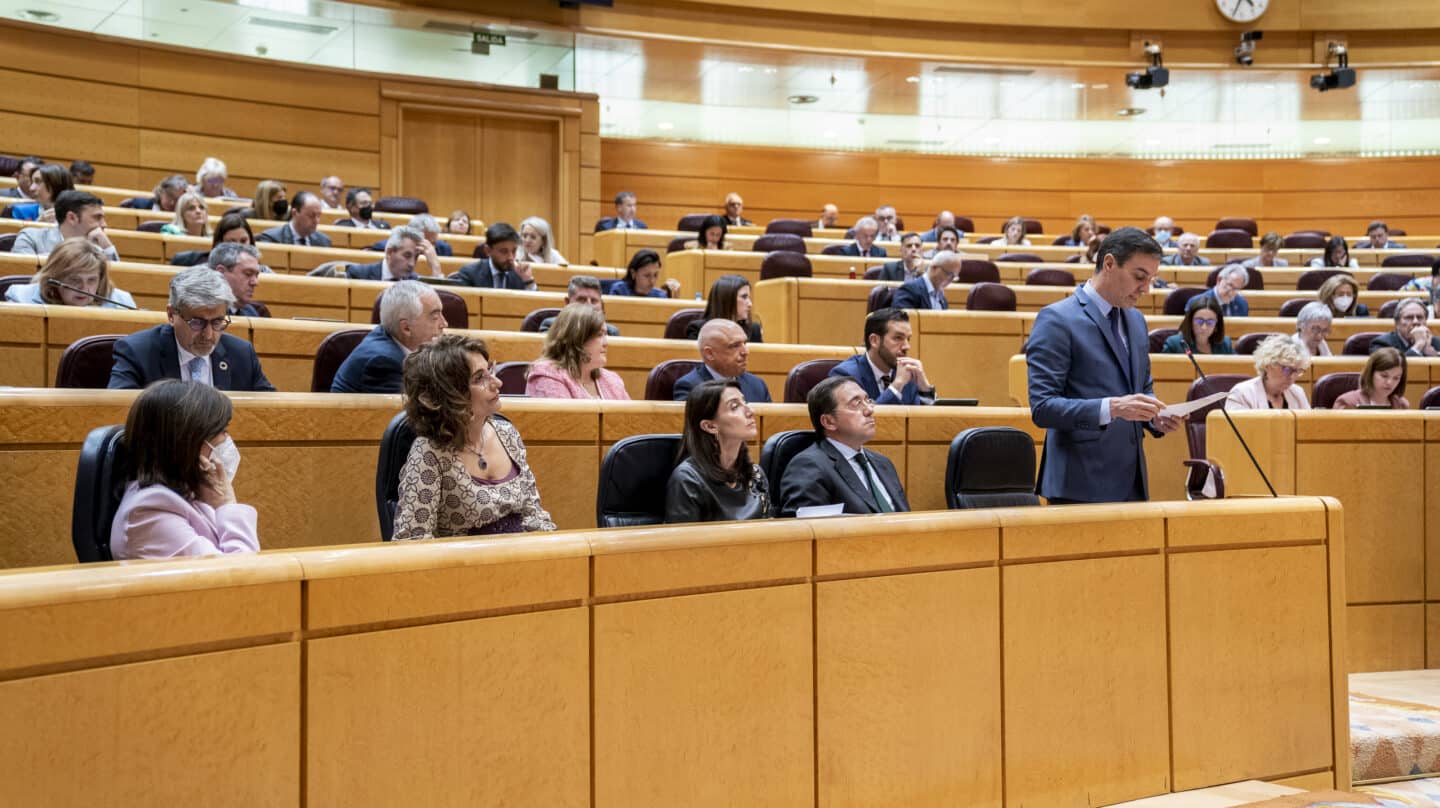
pixel 182 462
pixel 572 363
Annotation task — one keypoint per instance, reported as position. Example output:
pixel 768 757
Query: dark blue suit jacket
pixel 609 222
pixel 853 249
pixel 151 355
pixel 751 385
pixel 285 235
pixel 368 272
pixel 913 294
pixel 375 366
pixel 1075 361
pixel 481 274
pixel 857 367
pixel 820 475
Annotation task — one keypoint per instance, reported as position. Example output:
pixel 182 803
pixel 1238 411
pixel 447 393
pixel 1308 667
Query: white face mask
pixel 1342 302
pixel 1162 235
pixel 227 455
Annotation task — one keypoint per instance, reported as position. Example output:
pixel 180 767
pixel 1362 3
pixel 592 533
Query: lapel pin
pixel 224 365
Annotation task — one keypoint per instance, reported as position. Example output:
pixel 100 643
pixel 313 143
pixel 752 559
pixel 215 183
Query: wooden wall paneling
pixel 1386 637
pixel 199 114
pixel 276 82
pixel 28 134
pixel 298 164
pixel 57 96
pixel 73 54
pixel 439 151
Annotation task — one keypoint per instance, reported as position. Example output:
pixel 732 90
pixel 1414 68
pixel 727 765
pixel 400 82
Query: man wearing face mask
pixel 193 345
pixel 303 229
pixel 1164 228
pixel 362 207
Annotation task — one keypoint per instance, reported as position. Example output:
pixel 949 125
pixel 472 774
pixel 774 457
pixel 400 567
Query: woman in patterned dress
pixel 466 473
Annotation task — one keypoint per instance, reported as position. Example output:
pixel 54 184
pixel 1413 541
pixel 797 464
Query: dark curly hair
pixel 437 388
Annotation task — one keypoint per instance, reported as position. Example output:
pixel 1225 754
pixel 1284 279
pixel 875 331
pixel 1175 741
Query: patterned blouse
pixel 438 497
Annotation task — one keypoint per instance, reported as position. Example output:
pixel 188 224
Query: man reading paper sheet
pixel 1090 385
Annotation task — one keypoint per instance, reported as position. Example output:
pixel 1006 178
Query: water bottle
pixel 699 296
pixel 852 273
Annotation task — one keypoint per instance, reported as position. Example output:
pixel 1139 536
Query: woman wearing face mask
pixel 181 463
pixel 1381 383
pixel 1340 293
pixel 271 201
pixel 715 481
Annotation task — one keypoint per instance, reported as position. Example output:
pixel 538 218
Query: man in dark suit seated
pixel 582 289
pixel 239 265
pixel 837 468
pixel 864 243
pixel 928 290
pixel 167 195
pixel 404 247
pixel 910 265
pixel 500 270
pixel 1378 238
pixel 1411 336
pixel 410 316
pixel 887 371
pixel 303 227
pixel 22 175
pixel 734 207
pixel 946 219
pixel 193 345
pixel 724 351
pixel 362 211
pixel 430 226
pixel 947 241
pixel 624 218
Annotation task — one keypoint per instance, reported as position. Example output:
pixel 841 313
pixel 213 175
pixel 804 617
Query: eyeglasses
pixel 1205 321
pixel 484 377
pixel 1290 372
pixel 197 324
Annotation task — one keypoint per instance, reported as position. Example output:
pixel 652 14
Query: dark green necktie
pixel 880 501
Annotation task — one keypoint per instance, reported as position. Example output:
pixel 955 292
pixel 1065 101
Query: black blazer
pixel 1392 340
pixel 375 366
pixel 285 235
pixel 820 475
pixel 853 249
pixel 914 294
pixel 893 271
pixel 609 222
pixel 151 355
pixel 482 274
pixel 380 224
pixel 752 386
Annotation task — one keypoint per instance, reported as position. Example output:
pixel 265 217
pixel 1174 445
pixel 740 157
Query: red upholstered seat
pixel 1046 276
pixel 1238 223
pixel 86 363
pixel 880 298
pixel 805 376
pixel 401 204
pixel 1158 337
pixel 533 320
pixel 1408 260
pixel 785 264
pixel 512 377
pixel 660 384
pixel 1387 282
pixel 780 242
pixel 1292 307
pixel 795 227
pixel 681 320
pixel 1247 343
pixel 1304 241
pixel 1359 344
pixel 978 270
pixel 1178 299
pixel 1230 237
pixel 332 353
pixel 990 297
pixel 1332 386
pixel 1312 279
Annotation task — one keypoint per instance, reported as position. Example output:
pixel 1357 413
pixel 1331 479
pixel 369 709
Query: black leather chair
pixel 152 226
pixel 1431 398
pixel 990 297
pixel 1228 238
pixel 1332 386
pixel 691 222
pixel 11 280
pixel 7 242
pixel 394 448
pixel 1247 343
pixel 965 224
pixel 1238 223
pixel 779 242
pixel 1254 280
pixel 1387 310
pixel 401 204
pixel 1304 241
pixel 660 384
pixel 833 249
pixel 1020 258
pixel 86 363
pixel 1048 276
pixel 874 273
pixel 1200 468
pixel 803 228
pixel 678 243
pixel 1379 282
pixel 631 491
pixel 456 314
pixel 879 298
pixel 331 354
pixel 1178 299
pixel 1312 279
pixel 1158 337
pixel 804 376
pixel 978 270
pixel 1359 344
pixel 785 264
pixel 533 320
pixel 777 453
pixel 1292 307
pixel 681 320
pixel 99 485
pixel 1033 226
pixel 512 377
pixel 991 467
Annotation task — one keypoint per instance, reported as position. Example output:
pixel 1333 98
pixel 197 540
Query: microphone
pixel 92 295
pixel 1233 428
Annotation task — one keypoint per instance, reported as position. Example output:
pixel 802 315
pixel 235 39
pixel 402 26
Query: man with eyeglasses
pixel 332 193
pixel 836 468
pixel 411 315
pixel 193 346
pixel 927 291
pixel 1411 336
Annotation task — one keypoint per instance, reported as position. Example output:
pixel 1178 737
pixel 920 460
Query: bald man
pixel 734 207
pixel 829 217
pixel 724 350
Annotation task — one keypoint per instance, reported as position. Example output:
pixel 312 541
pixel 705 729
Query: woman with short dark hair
pixel 467 472
pixel 1382 383
pixel 1337 254
pixel 1203 330
pixel 710 234
pixel 729 299
pixel 715 481
pixel 642 277
pixel 233 227
pixel 47 182
pixel 181 463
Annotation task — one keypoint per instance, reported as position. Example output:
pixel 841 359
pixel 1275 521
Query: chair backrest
pixel 1247 343
pixel 1304 241
pixel 965 224
pixel 795 227
pixel 805 376
pixel 481 251
pixel 874 273
pixel 1256 279
pixel 785 264
pixel 1074 259
pixel 1195 423
pixel 1312 279
pixel 332 353
pixel 7 242
pixel 86 363
pixel 99 485
pixel 678 243
pixel 1379 282
pixel 533 320
pixel 1020 258
pixel 1431 398
pixel 777 453
pixel 394 448
pixel 1407 259
pixel 1060 240
pixel 1359 344
pixel 401 204
pixel 691 222
pixel 1397 231
pixel 779 242
pixel 990 467
pixel 1033 226
pixel 1324 234
pixel 833 249
pixel 1387 309
pixel 1230 237
pixel 1333 385
pixel 12 280
pixel 681 320
pixel 880 298
pixel 151 226
pixel 1238 223
pixel 456 315
pixel 1178 299
pixel 1048 276
pixel 1292 307
pixel 633 476
pixel 978 270
pixel 660 384
pixel 512 377
pixel 990 297
pixel 987 240
pixel 1158 337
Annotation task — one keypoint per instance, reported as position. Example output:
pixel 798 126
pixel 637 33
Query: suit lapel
pixel 220 366
pixel 169 354
pixel 1092 310
pixel 847 474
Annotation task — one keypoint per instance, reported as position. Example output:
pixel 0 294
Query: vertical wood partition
pixel 1065 656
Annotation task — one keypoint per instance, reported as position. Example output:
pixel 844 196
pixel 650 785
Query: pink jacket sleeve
pixel 548 381
pixel 160 524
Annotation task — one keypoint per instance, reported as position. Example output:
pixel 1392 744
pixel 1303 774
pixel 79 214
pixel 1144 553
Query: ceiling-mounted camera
pixel 1341 76
pixel 1245 51
pixel 1156 75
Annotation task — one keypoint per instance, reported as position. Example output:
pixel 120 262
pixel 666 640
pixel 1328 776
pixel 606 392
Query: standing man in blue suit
pixel 886 371
pixel 1090 385
pixel 724 350
pixel 928 290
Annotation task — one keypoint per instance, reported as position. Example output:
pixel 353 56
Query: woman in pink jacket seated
pixel 179 501
pixel 572 363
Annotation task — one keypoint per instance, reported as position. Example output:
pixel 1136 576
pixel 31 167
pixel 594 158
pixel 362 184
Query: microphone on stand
pixel 1238 436
pixel 92 295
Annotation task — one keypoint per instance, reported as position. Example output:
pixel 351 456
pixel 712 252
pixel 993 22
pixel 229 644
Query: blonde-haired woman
pixel 572 363
pixel 1279 361
pixel 77 263
pixel 536 242
pixel 192 218
pixel 1342 294
pixel 271 201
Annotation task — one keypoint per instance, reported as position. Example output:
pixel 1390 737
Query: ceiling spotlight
pixel 1341 76
pixel 1156 75
pixel 803 99
pixel 1130 112
pixel 1245 51
pixel 39 16
pixel 913 79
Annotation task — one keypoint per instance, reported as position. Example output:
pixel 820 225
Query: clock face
pixel 1242 10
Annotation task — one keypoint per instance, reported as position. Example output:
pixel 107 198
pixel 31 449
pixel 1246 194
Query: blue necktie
pixel 197 369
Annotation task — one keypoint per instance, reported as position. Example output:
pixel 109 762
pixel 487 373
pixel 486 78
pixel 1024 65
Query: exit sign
pixel 486 38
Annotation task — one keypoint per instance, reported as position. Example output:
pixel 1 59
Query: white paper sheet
pixel 1187 407
pixel 814 511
